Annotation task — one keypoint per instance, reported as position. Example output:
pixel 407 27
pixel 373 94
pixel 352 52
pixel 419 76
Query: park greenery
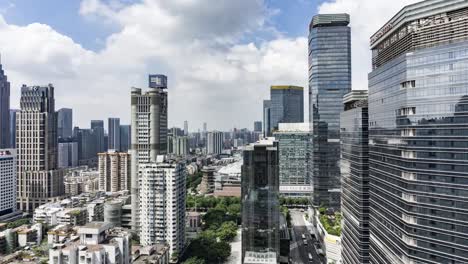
pixel 220 224
pixel 330 221
pixel 290 201
pixel 193 181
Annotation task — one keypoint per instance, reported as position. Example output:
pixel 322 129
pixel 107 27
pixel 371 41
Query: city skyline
pixel 246 48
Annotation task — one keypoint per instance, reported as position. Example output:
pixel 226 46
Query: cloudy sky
pixel 220 56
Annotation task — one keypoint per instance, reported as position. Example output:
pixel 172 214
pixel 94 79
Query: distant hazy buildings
pixel 295 159
pixel 260 205
pixel 114 133
pixel 39 181
pixel 186 132
pixel 4 109
pixel 149 131
pixel 178 145
pixel 287 105
pixel 266 118
pixel 329 81
pixel 125 138
pixel 7 182
pixel 355 178
pixel 65 123
pixel 214 142
pixel 67 154
pixel 97 127
pixel 258 126
pixel 114 171
pixel 418 105
pixel 162 203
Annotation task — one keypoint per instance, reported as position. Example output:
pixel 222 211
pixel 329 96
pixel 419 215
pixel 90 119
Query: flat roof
pixel 286 87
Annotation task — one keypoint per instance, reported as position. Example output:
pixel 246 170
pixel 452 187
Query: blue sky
pixel 292 18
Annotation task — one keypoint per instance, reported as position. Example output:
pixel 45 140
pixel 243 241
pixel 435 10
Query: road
pixel 299 251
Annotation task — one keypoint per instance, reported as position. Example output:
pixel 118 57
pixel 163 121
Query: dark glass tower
pixel 329 81
pixel 260 205
pixel 65 122
pixel 114 133
pixel 266 118
pixel 418 136
pixel 355 178
pixel 287 105
pixel 4 109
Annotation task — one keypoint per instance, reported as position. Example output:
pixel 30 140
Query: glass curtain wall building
pixel 418 136
pixel 287 105
pixel 266 118
pixel 329 81
pixel 355 178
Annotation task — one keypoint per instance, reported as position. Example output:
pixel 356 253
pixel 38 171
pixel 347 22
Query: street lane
pixel 300 251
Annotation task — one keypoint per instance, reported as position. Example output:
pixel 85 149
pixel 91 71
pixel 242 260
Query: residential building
pixel 114 171
pixel 418 101
pixel 258 126
pixel 155 254
pixel 67 154
pixel 149 131
pixel 4 109
pixel 162 203
pixel 7 182
pixel 214 142
pixel 329 81
pixel 39 179
pixel 295 158
pixel 355 178
pixel 260 203
pixel 266 118
pixel 114 133
pixel 65 123
pixel 125 137
pixel 13 128
pixel 287 105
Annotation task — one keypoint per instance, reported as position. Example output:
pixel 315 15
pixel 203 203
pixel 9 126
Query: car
pixel 305 242
pixel 303 236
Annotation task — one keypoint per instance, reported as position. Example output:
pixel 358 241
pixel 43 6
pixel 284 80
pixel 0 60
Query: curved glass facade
pixel 418 118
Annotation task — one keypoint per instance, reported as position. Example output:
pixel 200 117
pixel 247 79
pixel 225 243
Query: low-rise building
pixel 156 254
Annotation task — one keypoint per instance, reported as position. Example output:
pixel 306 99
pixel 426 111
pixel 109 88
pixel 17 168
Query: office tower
pixel 186 128
pixel 67 154
pixel 214 142
pixel 204 132
pixel 97 127
pixel 65 122
pixel 149 131
pixel 287 105
pixel 355 178
pixel 39 180
pixel 266 118
pixel 418 100
pixel 125 132
pixel 114 171
pixel 114 133
pixel 4 109
pixel 329 81
pixel 295 159
pixel 13 127
pixel 162 203
pixel 258 126
pixel 260 205
pixel 180 146
pixel 87 148
pixel 7 182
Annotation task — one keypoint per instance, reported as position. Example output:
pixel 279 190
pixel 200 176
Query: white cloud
pixel 367 16
pixel 213 75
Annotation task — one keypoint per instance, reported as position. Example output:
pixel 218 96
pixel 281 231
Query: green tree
pixel 194 260
pixel 227 231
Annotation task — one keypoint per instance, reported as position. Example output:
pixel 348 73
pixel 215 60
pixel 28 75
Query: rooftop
pixel 328 20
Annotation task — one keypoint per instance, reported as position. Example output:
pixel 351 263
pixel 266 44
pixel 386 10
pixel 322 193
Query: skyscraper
pixel 97 127
pixel 125 138
pixel 287 105
pixel 4 109
pixel 418 101
pixel 295 158
pixel 7 182
pixel 162 203
pixel 39 181
pixel 149 132
pixel 186 128
pixel 13 128
pixel 67 154
pixel 214 142
pixel 258 126
pixel 266 118
pixel 260 204
pixel 114 171
pixel 329 81
pixel 114 133
pixel 355 178
pixel 65 123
